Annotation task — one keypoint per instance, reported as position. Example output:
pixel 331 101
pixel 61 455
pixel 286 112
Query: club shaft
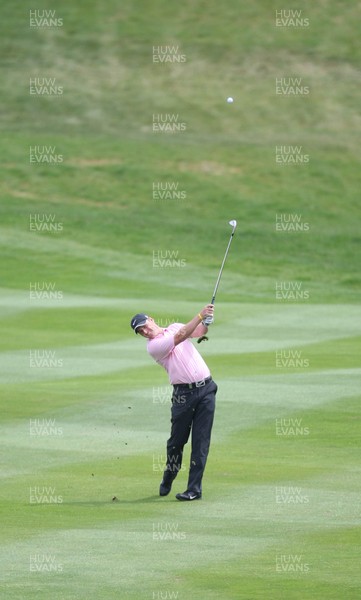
pixel 221 269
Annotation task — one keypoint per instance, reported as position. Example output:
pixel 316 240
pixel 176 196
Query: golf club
pixel 233 224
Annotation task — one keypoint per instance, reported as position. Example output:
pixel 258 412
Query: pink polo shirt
pixel 183 362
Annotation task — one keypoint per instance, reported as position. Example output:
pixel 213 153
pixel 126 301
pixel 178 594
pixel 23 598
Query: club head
pixel 233 224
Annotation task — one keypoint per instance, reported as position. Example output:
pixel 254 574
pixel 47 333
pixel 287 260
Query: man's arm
pixel 199 331
pixel 190 328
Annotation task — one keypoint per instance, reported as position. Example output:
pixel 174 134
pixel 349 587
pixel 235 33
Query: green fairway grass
pixel 85 412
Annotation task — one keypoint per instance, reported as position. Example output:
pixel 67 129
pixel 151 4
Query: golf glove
pixel 207 321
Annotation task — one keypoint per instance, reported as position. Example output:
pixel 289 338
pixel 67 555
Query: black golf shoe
pixel 165 488
pixel 189 496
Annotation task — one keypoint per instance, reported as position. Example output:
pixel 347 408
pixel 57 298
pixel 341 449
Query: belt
pixel 195 384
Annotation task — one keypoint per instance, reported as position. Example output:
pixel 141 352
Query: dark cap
pixel 138 321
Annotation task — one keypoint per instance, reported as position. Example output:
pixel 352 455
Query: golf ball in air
pixel 230 100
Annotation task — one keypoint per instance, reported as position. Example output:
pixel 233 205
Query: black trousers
pixel 192 410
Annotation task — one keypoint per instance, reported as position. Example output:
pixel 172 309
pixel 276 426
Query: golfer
pixel 193 397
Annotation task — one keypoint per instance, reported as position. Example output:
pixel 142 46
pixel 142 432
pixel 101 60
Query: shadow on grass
pixel 146 500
